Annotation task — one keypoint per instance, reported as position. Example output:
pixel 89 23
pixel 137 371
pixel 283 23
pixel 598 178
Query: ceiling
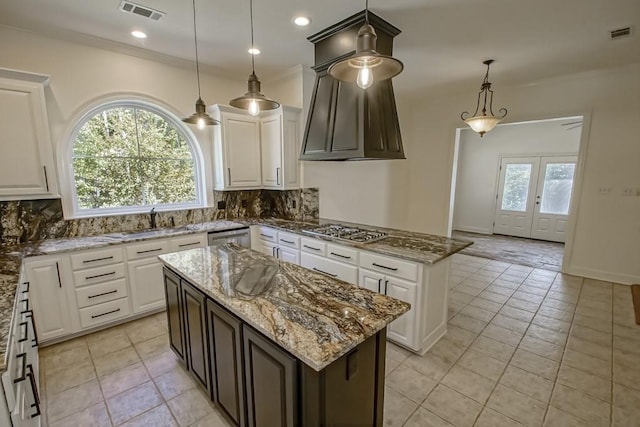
pixel 442 44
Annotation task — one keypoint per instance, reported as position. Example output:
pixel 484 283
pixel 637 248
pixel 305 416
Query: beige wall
pixel 415 194
pixel 82 74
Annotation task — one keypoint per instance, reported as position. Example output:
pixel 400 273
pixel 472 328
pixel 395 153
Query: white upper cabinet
pixel 256 152
pixel 271 145
pixel 27 170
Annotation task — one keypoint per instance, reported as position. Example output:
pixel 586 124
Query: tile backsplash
pixel 33 220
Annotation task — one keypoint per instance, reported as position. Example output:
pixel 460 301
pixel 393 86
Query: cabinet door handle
pixel 386 282
pixel 34 389
pixel 288 241
pixel 58 271
pixel 104 314
pixel 24 335
pixel 379 284
pixel 148 251
pixel 273 251
pixel 311 247
pixel 324 272
pixel 277 176
pixel 33 325
pixel 229 175
pixel 26 309
pixel 384 266
pixel 102 294
pixel 26 290
pixel 340 255
pixel 87 261
pixel 23 369
pixel 266 235
pixel 46 178
pixel 99 275
pixel 188 244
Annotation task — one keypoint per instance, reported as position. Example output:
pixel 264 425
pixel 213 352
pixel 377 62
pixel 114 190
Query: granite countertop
pixel 416 247
pixel 10 264
pixel 314 317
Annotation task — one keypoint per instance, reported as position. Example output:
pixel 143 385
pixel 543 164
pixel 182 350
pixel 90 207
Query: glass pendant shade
pixel 200 118
pixel 480 121
pixel 366 65
pixel 253 101
pixel 483 124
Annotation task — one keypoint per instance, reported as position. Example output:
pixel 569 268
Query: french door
pixel 533 197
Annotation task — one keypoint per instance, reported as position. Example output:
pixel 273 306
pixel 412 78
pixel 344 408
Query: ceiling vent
pixel 620 33
pixel 144 11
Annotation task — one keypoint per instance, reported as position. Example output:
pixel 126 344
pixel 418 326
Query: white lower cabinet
pixel 338 270
pixel 49 279
pixel 401 330
pixel 147 289
pixel 278 244
pixel 289 255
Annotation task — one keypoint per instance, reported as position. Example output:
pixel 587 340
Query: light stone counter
pixel 312 316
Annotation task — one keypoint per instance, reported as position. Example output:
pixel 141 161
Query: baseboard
pixel 606 276
pixel 431 339
pixel 472 229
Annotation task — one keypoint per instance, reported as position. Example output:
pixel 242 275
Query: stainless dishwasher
pixel 239 236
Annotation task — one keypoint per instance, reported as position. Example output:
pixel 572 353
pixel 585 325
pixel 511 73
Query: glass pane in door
pixel 516 187
pixel 556 191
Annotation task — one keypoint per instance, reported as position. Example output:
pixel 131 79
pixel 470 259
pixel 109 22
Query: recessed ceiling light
pixel 138 34
pixel 301 21
pixel 254 51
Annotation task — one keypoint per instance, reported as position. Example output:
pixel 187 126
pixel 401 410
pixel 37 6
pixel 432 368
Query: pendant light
pixel 200 118
pixel 483 123
pixel 253 101
pixel 366 65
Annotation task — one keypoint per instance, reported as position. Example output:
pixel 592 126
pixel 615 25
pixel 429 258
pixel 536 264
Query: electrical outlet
pixel 244 203
pixel 222 204
pixel 630 192
pixel 293 204
pixel 604 190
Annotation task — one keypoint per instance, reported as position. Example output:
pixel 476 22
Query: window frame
pixel 66 161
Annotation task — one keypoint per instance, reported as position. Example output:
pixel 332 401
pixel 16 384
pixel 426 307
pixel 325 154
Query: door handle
pixel 277 176
pixel 386 282
pixel 379 283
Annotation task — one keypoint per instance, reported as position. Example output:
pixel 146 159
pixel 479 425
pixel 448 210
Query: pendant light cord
pixel 253 65
pixel 195 38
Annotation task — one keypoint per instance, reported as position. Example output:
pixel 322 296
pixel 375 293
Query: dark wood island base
pixel 255 382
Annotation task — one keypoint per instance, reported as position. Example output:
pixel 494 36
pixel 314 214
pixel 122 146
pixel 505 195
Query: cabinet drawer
pixel 103 292
pixel 288 239
pixel 188 242
pixel 104 313
pixel 96 258
pixel 313 246
pixel 98 274
pixel 268 234
pixel 342 253
pixel 144 250
pixel 391 266
pixel 338 270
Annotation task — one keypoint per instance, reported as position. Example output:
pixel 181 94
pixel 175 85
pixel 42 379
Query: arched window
pixel 130 156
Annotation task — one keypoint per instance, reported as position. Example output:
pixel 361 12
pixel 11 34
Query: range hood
pixel 346 122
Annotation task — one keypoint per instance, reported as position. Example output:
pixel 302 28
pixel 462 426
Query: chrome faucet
pixel 152 217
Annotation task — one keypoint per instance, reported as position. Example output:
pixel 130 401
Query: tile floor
pixel 515 250
pixel 524 347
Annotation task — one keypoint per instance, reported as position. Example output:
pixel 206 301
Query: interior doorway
pixel 514 189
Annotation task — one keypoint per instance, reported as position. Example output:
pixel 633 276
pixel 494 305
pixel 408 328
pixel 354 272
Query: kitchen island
pixel 299 348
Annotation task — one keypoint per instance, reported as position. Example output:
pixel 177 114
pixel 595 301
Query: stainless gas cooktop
pixel 343 232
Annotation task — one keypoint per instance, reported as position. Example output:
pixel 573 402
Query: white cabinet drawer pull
pixel 324 272
pixel 99 275
pixel 188 244
pixel 340 255
pixel 104 314
pixel 24 336
pixel 23 368
pixel 87 261
pixel 311 247
pixel 288 241
pixel 266 235
pixel 148 250
pixel 384 266
pixel 103 294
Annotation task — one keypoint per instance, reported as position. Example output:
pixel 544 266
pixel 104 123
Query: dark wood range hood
pixel 346 122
